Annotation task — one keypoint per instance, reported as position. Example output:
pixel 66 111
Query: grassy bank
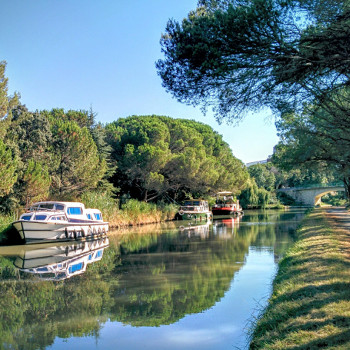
pixel 310 304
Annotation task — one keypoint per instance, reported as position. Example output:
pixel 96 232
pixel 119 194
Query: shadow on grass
pixel 336 340
pixel 308 299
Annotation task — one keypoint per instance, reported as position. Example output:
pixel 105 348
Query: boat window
pixel 98 216
pixel 59 207
pixel 76 267
pixel 75 211
pixel 89 216
pixel 26 217
pixel 40 217
pixel 61 275
pixel 53 218
pixel 46 206
pixel 42 269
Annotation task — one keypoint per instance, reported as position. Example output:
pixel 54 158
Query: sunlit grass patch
pixel 310 305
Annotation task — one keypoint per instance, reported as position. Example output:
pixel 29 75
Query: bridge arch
pixel 319 196
pixel 310 196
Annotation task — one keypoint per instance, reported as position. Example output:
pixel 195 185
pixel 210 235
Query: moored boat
pixel 195 209
pixel 47 221
pixel 225 205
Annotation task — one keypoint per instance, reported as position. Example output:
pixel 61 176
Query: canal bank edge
pixel 310 304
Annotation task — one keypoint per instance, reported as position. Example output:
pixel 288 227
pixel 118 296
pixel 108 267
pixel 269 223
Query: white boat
pixel 195 209
pixel 46 221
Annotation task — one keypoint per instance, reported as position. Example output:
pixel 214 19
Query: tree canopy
pixel 62 154
pixel 317 138
pixel 263 176
pixel 7 169
pixel 159 157
pixel 240 55
pixel 288 55
pixel 6 102
pixel 77 164
pixel 47 153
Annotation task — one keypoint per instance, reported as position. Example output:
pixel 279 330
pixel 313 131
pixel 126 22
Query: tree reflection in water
pixel 149 277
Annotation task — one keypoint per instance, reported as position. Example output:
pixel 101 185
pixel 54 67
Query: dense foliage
pixel 267 178
pixel 239 55
pixel 288 55
pixel 64 154
pixel 160 157
pixel 47 154
pixel 317 138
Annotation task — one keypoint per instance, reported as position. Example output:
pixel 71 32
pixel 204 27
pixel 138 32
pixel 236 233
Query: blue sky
pixel 77 54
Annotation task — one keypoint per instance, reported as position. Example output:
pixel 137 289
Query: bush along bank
pixel 310 304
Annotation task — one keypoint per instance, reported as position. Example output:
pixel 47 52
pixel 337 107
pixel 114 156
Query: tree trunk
pixel 346 181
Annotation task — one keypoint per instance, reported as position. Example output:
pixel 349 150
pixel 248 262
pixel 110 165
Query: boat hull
pixel 188 215
pixel 34 231
pixel 226 211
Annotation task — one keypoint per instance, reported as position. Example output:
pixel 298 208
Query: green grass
pixel 133 212
pixel 310 304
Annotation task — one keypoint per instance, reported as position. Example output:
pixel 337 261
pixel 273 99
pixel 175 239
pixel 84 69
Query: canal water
pixel 169 286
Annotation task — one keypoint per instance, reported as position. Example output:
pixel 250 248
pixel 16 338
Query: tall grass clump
pixel 132 211
pixel 102 201
pixel 310 304
pixel 141 212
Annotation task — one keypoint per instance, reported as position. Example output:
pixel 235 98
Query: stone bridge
pixel 311 196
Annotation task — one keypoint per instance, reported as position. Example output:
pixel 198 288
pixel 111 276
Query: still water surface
pixel 170 286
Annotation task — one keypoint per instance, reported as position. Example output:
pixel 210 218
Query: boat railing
pixel 46 209
pixel 192 208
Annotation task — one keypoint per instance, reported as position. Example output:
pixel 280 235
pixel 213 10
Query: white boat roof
pixel 224 193
pixel 47 212
pixel 57 202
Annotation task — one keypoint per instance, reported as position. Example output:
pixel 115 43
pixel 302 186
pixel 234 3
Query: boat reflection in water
pixel 226 227
pixel 197 229
pixel 59 262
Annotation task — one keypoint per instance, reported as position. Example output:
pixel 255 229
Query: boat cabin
pixel 44 216
pixel 73 210
pixel 195 205
pixel 94 214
